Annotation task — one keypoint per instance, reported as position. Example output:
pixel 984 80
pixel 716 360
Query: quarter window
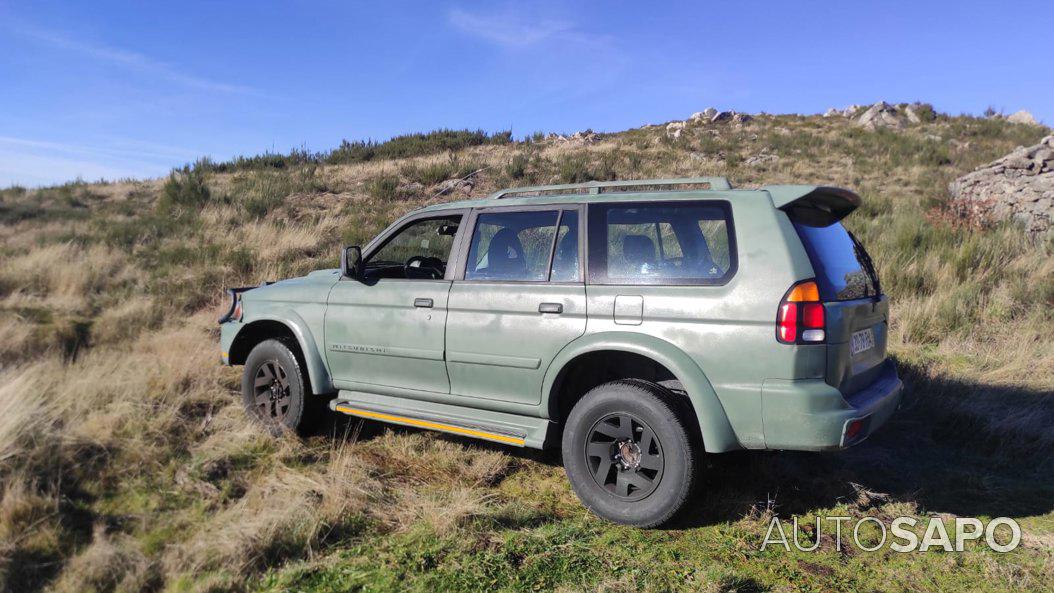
pixel 661 243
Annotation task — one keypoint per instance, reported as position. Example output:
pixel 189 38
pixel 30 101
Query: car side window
pixel 660 243
pixel 512 246
pixel 419 250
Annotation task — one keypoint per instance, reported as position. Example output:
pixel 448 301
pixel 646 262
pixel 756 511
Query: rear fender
pixel 717 432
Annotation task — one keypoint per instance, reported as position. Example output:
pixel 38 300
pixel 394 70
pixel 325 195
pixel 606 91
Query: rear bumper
pixel 810 415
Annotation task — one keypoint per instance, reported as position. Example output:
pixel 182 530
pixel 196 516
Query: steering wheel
pixel 418 264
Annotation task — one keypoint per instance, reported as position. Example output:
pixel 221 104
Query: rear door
pixel 517 301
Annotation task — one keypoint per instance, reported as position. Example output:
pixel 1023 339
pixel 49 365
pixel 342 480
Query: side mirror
pixel 351 262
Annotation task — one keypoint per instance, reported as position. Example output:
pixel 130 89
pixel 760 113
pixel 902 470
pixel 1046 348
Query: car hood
pixel 313 287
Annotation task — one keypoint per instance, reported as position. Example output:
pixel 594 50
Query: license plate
pixel 861 341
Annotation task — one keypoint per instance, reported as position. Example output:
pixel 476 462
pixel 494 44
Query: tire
pixel 274 387
pixel 628 453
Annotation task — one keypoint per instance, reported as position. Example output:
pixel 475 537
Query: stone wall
pixel 1019 186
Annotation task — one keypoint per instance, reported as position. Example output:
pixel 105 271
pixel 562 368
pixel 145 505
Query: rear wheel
pixel 274 387
pixel 628 453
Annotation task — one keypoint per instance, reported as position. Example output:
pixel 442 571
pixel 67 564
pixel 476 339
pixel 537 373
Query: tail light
pixel 801 318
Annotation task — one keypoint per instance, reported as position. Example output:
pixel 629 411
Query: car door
pixel 387 328
pixel 519 298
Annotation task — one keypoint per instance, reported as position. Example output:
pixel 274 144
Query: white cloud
pixel 32 162
pixel 135 148
pixel 133 60
pixel 511 30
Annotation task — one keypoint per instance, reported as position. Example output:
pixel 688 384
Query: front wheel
pixel 628 453
pixel 273 387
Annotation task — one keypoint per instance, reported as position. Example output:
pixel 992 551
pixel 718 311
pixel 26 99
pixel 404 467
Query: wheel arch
pixel 290 327
pixel 710 417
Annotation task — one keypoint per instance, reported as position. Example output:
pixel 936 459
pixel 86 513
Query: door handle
pixel 423 303
pixel 551 308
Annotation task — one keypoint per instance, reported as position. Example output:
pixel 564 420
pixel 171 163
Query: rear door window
pixel 843 269
pixel 661 243
pixel 525 246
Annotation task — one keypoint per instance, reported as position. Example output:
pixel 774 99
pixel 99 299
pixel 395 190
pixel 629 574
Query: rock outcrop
pixel 704 115
pixel 1022 117
pixel 882 115
pixel 583 138
pixel 674 129
pixel 846 112
pixel 1019 186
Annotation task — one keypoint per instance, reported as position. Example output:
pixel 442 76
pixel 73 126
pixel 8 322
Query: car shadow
pixel 968 449
pixel 957 447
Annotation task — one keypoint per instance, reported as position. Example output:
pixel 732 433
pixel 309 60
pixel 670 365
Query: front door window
pixel 420 250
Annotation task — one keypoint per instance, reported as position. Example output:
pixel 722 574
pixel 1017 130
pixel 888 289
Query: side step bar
pixel 498 427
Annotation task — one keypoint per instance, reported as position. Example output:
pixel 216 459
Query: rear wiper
pixel 869 264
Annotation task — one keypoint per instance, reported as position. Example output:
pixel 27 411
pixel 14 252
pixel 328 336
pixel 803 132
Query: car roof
pixel 632 190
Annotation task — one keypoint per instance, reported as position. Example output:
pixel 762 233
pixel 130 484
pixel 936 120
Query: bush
pixel 267 160
pixel 411 145
pixel 926 112
pixel 517 166
pixel 574 169
pixel 262 191
pixel 185 188
pixel 149 228
pixel 383 187
pixel 435 172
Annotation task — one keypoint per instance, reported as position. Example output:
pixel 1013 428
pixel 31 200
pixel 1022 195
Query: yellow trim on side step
pixel 432 425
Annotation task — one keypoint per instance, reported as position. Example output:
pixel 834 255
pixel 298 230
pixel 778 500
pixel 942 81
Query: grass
pixel 126 463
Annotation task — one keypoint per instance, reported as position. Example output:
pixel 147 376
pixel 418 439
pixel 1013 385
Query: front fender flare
pixel 319 379
pixel 718 435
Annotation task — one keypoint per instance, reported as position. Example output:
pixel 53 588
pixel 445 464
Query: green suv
pixel 634 324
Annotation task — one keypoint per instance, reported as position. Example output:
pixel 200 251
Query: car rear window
pixel 842 267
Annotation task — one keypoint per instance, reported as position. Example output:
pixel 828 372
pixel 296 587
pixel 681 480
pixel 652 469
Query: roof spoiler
pixel 813 205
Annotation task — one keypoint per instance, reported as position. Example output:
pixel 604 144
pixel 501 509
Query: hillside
pixel 126 462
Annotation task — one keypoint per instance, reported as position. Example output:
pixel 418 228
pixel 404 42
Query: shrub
pixel 262 191
pixel 573 169
pixel 185 188
pixel 411 145
pixel 150 227
pixel 516 168
pixel 383 187
pixel 267 160
pixel 438 171
pixel 926 112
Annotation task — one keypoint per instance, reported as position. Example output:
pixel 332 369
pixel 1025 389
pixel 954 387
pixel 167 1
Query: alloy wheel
pixel 271 391
pixel 624 456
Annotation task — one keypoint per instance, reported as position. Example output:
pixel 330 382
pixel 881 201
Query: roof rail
pixel 598 187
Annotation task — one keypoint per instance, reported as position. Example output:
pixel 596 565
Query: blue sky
pixel 117 89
